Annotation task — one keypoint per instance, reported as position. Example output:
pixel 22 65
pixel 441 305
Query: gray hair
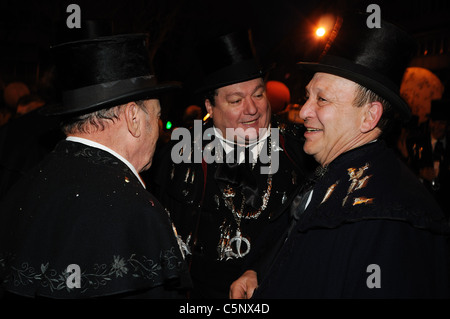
pixel 363 96
pixel 97 120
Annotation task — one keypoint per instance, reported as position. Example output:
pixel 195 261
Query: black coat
pixel 83 206
pixel 371 230
pixel 193 194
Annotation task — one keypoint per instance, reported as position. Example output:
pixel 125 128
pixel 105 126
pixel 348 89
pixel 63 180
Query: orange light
pixel 320 32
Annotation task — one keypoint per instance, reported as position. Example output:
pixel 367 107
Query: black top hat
pixel 440 110
pixel 103 72
pixel 228 59
pixel 375 58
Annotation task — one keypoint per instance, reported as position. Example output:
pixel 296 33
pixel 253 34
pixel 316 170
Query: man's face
pixel 242 106
pixel 332 121
pixel 151 129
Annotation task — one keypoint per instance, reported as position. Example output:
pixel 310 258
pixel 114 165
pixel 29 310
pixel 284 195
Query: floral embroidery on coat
pixel 93 277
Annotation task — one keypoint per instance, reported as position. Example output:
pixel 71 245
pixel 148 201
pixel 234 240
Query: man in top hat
pixel 367 228
pixel 82 224
pixel 222 206
pixel 431 153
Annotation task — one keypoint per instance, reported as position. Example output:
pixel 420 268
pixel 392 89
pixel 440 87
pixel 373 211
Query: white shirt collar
pixel 107 149
pixel 229 145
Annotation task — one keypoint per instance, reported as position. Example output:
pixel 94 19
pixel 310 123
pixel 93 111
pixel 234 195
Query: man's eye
pixel 321 99
pixel 235 101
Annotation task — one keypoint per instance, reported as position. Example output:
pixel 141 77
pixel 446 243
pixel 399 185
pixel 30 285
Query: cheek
pixel 224 120
pixel 266 111
pixel 153 130
pixel 156 129
pixel 263 105
pixel 342 129
pixel 331 127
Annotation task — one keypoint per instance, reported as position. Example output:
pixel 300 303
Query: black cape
pixel 371 230
pixel 84 206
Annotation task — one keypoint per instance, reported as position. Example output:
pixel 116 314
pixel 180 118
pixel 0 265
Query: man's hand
pixel 244 286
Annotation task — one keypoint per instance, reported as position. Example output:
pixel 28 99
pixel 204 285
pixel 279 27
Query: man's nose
pixel 306 110
pixel 250 106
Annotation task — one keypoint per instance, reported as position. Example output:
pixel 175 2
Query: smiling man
pixel 220 208
pixel 242 106
pixel 367 228
pixel 333 123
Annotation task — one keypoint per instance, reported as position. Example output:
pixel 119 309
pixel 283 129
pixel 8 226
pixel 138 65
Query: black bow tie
pixel 241 176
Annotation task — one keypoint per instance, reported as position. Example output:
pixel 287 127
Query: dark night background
pixel 282 32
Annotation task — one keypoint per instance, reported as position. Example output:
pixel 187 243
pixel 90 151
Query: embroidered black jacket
pixel 371 230
pixel 83 206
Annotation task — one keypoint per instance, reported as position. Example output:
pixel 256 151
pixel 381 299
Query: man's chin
pixel 247 140
pixel 308 149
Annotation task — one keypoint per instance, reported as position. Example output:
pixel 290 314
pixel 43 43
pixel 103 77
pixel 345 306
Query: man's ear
pixel 209 108
pixel 371 116
pixel 132 118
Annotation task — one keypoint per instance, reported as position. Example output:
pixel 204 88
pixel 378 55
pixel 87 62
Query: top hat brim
pixel 96 97
pixel 369 79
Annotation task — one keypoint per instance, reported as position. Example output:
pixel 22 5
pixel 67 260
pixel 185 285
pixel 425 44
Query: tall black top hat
pixel 375 58
pixel 228 59
pixel 104 72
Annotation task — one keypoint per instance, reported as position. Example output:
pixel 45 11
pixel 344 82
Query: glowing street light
pixel 320 32
pixel 324 25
